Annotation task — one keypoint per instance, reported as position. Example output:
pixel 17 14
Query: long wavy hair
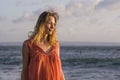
pixel 39 29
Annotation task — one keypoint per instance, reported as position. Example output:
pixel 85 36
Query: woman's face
pixel 50 25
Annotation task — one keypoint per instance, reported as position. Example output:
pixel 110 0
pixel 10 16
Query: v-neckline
pixel 52 47
pixel 45 51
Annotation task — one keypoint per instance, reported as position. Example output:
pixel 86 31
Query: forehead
pixel 51 18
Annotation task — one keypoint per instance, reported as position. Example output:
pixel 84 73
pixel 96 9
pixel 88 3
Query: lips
pixel 50 30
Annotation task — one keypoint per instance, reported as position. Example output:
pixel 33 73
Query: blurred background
pixel 88 31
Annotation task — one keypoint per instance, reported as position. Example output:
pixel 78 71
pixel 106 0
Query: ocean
pixel 78 62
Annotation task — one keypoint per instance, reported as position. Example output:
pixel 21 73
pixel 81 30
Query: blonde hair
pixel 39 29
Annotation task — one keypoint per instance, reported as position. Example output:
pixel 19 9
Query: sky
pixel 80 20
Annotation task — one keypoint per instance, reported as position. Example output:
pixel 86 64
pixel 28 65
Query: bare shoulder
pixel 26 42
pixel 25 53
pixel 25 45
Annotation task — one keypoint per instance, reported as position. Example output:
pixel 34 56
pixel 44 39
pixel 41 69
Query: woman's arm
pixel 25 58
pixel 63 77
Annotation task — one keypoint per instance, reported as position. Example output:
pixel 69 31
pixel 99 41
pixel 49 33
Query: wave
pixel 10 61
pixel 71 62
pixel 87 62
pixel 71 56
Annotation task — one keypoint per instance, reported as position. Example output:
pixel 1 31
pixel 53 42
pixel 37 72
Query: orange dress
pixel 44 66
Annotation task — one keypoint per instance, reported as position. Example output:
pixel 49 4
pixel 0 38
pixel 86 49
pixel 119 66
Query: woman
pixel 40 53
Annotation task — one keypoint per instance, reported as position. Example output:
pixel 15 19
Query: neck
pixel 44 39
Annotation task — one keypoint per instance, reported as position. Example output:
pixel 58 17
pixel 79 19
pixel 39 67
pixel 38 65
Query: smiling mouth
pixel 50 31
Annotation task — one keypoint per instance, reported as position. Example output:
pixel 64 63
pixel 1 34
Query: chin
pixel 49 33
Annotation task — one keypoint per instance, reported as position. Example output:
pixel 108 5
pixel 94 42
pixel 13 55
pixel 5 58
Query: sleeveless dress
pixel 42 65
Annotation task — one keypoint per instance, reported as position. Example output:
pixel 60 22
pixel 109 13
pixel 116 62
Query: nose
pixel 52 26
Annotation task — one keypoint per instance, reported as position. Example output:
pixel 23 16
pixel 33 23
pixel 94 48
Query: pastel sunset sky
pixel 80 20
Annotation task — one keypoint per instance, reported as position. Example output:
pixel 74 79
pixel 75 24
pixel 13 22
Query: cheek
pixel 46 26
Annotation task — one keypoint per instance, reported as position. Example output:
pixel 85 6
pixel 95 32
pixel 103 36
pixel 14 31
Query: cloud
pixel 109 4
pixel 78 8
pixel 2 18
pixel 74 8
pixel 27 16
pixel 21 3
pixel 82 10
